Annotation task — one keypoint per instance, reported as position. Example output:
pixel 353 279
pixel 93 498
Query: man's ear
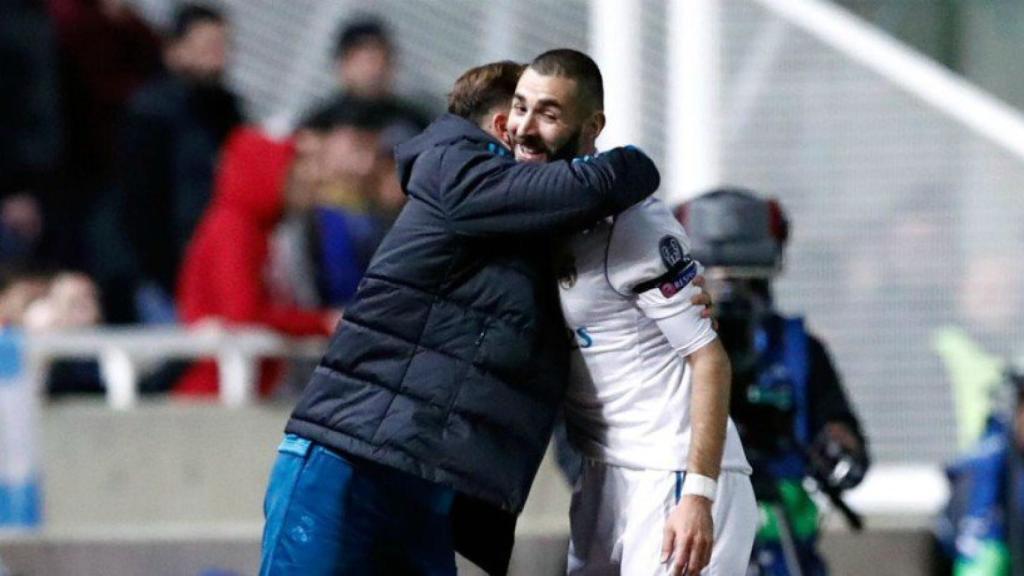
pixel 595 125
pixel 499 126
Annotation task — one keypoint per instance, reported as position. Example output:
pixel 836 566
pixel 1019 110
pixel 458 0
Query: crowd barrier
pixel 899 493
pixel 123 352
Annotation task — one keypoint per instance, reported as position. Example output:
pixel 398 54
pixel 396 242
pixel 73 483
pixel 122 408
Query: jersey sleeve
pixel 649 261
pixel 678 319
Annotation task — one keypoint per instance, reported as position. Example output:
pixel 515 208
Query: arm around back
pixel 484 194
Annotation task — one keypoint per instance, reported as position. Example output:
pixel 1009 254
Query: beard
pixel 566 151
pixel 570 149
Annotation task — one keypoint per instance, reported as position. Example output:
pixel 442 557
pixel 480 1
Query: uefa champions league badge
pixel 672 253
pixel 675 258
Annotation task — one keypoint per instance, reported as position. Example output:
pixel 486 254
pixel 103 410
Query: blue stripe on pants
pixel 329 514
pixel 680 476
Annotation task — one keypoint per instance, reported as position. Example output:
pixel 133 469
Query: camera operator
pixel 787 400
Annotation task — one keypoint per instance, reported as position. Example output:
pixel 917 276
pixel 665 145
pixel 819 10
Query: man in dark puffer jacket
pixel 443 381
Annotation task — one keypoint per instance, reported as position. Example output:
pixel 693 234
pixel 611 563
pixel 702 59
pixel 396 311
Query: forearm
pixel 495 197
pixel 709 408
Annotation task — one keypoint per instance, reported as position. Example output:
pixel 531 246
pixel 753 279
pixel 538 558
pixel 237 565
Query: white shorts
pixel 618 518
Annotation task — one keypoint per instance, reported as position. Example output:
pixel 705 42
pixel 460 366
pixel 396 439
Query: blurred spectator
pixel 364 61
pixel 292 269
pixel 223 275
pixel 29 125
pixel 71 301
pixel 22 280
pixel 990 304
pixel 319 252
pixel 981 531
pixel 982 528
pixel 105 53
pixel 37 301
pixel 349 153
pixel 295 245
pixel 168 147
pixel 21 229
pixel 346 231
pixel 19 289
pixel 991 298
pixel 29 104
pixel 330 231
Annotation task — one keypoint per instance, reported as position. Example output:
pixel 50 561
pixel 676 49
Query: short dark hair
pixel 190 14
pixel 480 89
pixel 355 33
pixel 575 65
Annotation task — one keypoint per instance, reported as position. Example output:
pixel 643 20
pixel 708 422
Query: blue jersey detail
pixel 584 338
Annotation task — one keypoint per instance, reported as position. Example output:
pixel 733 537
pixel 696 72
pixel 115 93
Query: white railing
pixel 890 491
pixel 900 495
pixel 121 352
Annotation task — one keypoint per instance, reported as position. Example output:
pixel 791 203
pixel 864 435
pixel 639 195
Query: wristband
pixel 698 485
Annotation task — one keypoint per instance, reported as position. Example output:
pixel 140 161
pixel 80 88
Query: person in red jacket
pixel 223 276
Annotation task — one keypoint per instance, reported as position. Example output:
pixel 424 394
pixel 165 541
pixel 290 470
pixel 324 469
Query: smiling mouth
pixel 530 154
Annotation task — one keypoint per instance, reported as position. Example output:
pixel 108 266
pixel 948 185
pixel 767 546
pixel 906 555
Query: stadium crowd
pixel 133 189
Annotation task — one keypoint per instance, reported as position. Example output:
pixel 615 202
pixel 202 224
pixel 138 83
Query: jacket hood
pixel 446 130
pixel 252 174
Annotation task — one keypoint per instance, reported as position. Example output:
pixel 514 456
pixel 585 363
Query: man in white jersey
pixel 665 487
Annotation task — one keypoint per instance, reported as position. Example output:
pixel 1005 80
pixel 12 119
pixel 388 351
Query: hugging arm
pixel 487 195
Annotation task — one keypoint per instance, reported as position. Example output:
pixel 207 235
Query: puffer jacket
pixel 451 362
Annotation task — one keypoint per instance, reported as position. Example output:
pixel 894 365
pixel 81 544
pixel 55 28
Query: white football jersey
pixel 625 288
